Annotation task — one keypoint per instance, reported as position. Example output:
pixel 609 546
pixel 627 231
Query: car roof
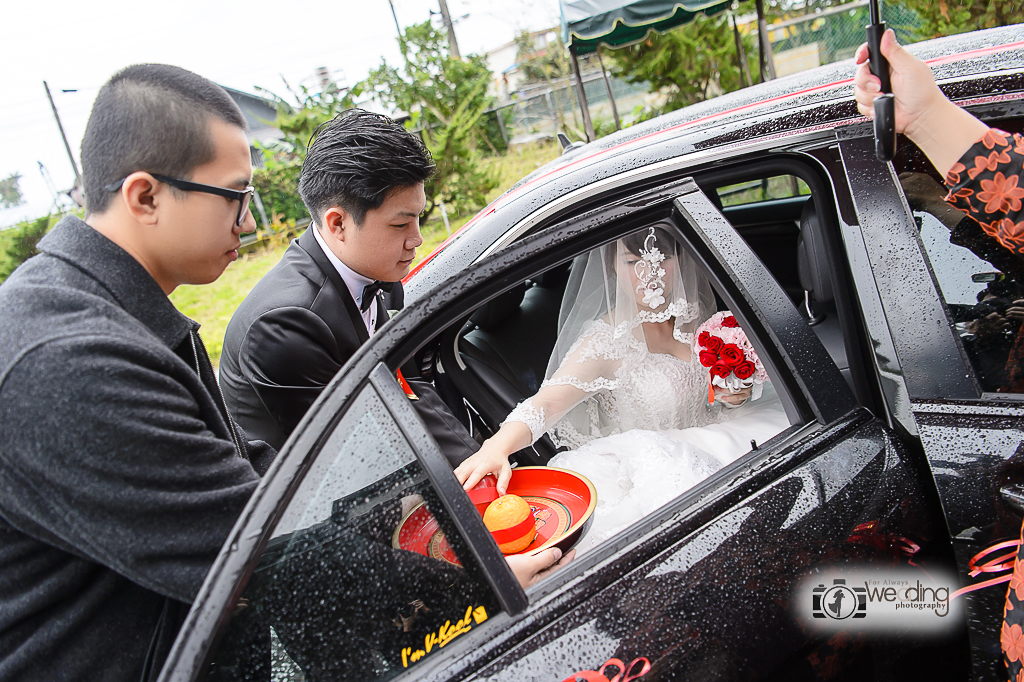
pixel 814 99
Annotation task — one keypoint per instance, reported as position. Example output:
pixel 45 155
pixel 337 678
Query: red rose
pixel 707 358
pixel 703 339
pixel 744 370
pixel 721 370
pixel 732 355
pixel 730 321
pixel 714 344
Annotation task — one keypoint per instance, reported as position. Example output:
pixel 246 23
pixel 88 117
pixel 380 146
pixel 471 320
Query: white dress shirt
pixel 353 280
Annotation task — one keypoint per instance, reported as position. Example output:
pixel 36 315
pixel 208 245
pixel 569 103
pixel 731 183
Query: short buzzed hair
pixel 151 117
pixel 356 160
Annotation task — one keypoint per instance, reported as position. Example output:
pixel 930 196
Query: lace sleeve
pixel 589 367
pixel 526 413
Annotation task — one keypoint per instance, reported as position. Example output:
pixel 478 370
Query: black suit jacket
pixel 290 336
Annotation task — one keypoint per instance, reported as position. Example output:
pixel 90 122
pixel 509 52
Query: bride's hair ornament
pixel 650 273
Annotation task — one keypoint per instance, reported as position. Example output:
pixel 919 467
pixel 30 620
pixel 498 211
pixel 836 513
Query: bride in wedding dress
pixel 624 392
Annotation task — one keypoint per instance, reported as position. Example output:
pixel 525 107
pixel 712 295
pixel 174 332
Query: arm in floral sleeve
pixel 985 184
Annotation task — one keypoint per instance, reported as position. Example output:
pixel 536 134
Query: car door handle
pixel 1013 495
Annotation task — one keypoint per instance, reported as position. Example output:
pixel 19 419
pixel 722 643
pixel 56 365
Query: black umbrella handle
pixel 885 104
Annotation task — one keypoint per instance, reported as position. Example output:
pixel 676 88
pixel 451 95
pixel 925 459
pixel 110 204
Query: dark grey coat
pixel 120 476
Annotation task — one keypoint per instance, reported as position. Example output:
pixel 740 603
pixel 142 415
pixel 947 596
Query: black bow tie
pixel 371 290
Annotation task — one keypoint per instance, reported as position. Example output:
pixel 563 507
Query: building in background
pixel 260 115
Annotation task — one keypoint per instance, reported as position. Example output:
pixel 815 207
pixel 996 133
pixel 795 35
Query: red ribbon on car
pixel 405 386
pixel 625 673
pixel 1004 562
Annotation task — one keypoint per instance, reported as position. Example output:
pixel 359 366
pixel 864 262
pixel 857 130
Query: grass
pixel 213 305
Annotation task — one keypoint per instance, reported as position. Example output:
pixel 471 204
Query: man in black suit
pixel 362 182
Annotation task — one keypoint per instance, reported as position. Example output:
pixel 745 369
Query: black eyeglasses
pixel 243 197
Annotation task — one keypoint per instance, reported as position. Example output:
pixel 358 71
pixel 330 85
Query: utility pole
pixel 453 45
pixel 741 54
pixel 395 17
pixel 765 58
pixel 608 88
pixel 78 176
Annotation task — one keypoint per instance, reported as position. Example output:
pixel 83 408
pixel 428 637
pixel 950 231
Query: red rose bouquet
pixel 722 346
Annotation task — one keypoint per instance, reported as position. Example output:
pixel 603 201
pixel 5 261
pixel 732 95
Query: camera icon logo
pixel 839 601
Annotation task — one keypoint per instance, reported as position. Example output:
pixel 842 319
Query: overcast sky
pixel 78 45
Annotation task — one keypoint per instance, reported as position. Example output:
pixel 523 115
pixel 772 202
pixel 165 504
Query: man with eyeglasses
pixel 121 472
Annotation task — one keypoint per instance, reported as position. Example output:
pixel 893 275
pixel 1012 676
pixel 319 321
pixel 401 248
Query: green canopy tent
pixel 586 24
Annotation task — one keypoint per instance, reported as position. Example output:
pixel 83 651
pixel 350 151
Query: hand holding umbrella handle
pixel 885 104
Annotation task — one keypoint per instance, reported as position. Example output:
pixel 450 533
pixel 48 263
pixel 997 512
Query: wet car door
pixel 947 383
pixel 716 599
pixel 309 586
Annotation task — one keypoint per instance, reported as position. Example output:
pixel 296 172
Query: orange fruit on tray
pixel 511 522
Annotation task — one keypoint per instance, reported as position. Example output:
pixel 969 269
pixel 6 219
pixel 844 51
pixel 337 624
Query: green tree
pixel 298 123
pixel 278 180
pixel 10 191
pixel 20 244
pixel 547 66
pixel 278 184
pixel 542 65
pixel 447 101
pixel 947 17
pixel 689 64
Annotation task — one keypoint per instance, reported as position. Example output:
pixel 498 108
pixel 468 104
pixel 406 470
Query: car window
pixel 981 283
pixel 764 189
pixel 355 582
pixel 617 387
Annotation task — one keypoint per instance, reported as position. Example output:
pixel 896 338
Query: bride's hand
pixel 735 399
pixel 492 457
pixel 489 459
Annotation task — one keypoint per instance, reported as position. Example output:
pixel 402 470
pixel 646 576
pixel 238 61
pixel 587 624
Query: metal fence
pixel 803 42
pixel 798 43
pixel 543 110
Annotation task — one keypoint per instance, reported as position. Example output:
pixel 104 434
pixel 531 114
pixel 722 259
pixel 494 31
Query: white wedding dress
pixel 643 432
pixel 637 422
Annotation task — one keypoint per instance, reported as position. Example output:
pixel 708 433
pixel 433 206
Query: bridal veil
pixel 612 291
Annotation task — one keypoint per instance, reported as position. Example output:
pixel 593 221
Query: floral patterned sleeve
pixel 985 185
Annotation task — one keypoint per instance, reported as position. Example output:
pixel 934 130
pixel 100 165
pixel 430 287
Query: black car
pixel 877 332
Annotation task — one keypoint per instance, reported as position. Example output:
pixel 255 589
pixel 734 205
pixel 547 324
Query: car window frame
pixel 740 275
pixel 933 365
pixel 859 167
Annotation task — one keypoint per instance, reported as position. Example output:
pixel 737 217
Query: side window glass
pixel 981 282
pixel 604 361
pixel 764 189
pixel 778 219
pixel 343 590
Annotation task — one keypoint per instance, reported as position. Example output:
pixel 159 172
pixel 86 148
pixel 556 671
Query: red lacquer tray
pixel 563 503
